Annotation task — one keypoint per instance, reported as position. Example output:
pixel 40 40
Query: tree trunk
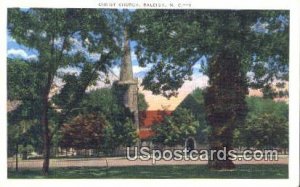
pixel 17 152
pixel 46 154
pixel 225 105
pixel 24 153
pixel 46 137
pixel 45 122
pixel 221 141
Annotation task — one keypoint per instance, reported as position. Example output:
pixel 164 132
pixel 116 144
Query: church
pixel 143 120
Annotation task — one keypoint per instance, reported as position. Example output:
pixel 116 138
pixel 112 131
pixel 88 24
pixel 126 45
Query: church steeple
pixel 128 83
pixel 126 67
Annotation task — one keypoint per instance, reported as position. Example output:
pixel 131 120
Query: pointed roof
pixel 126 74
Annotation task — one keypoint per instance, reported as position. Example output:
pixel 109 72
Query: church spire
pixel 126 67
pixel 128 83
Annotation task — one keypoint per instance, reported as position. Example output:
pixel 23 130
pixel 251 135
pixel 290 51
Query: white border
pixel 292 5
pixel 203 4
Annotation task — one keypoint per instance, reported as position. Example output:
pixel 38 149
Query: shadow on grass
pixel 158 172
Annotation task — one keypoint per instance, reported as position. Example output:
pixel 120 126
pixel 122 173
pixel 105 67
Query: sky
pixel 15 50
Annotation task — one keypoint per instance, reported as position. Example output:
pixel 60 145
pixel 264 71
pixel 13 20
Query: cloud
pixel 137 69
pixel 69 70
pixel 20 53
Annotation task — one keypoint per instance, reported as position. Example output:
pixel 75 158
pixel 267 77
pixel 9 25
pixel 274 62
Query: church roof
pixel 147 119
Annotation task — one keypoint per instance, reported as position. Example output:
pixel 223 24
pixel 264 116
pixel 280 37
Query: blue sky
pixel 15 50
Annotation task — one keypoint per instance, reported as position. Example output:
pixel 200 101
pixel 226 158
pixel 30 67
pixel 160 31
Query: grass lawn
pixel 158 172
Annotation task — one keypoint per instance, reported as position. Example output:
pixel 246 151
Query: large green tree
pixel 23 107
pixel 236 43
pixel 64 38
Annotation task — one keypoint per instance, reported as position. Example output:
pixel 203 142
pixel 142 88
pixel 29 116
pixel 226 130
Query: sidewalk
pixel 120 162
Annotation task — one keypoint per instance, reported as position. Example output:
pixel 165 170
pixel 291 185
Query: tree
pixel 63 38
pixel 266 125
pixel 174 129
pixel 257 105
pixel 23 108
pixel 142 104
pixel 225 104
pixel 266 131
pixel 235 42
pixel 119 134
pixel 84 132
pixel 174 40
pixel 107 102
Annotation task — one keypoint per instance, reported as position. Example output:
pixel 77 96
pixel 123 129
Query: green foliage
pixel 84 132
pixel 23 86
pixel 266 125
pixel 174 40
pixel 265 131
pixel 119 131
pixel 259 105
pixel 104 101
pixel 21 80
pixel 12 140
pixel 108 101
pixel 142 104
pixel 26 134
pixel 24 83
pixel 64 38
pixel 120 134
pixel 174 129
pixel 94 131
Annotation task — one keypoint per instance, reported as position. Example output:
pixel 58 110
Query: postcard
pixel 151 90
